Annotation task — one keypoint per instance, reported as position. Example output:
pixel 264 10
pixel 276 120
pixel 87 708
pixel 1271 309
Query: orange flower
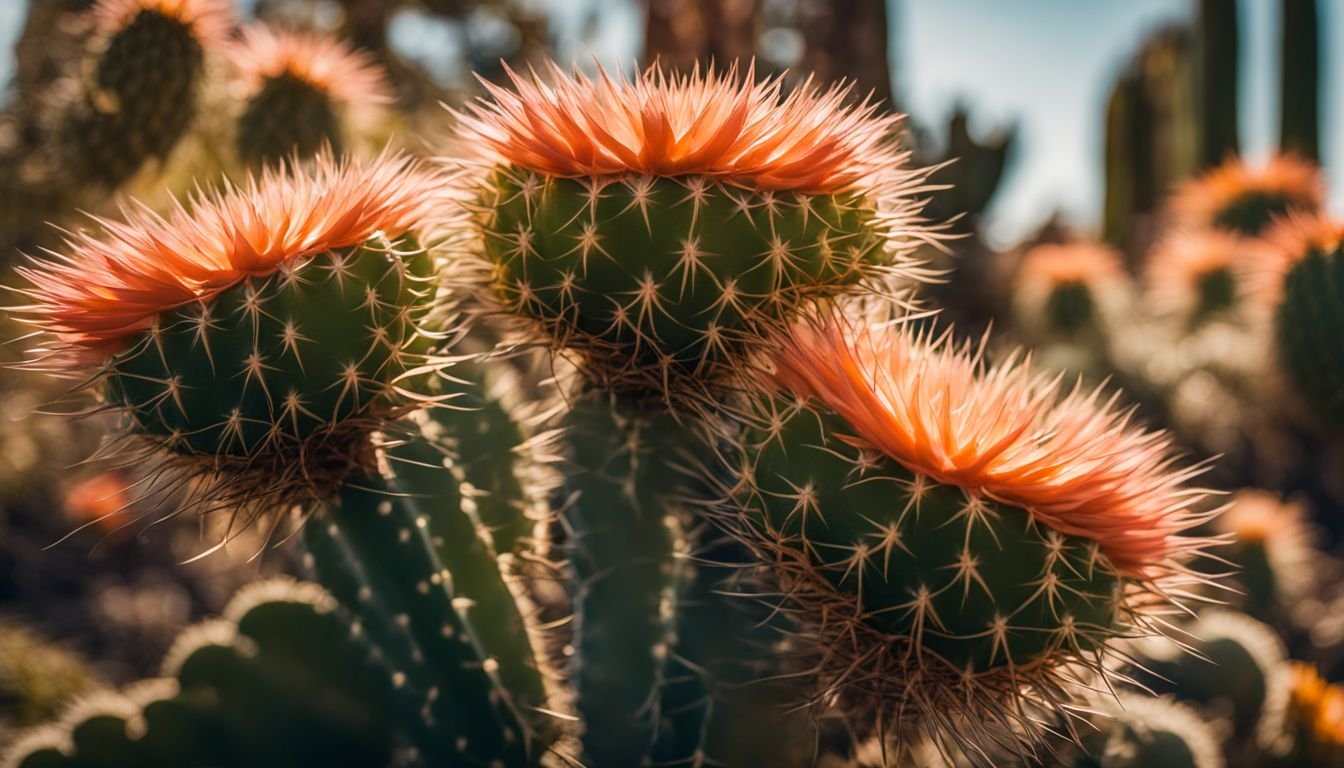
pixel 102 499
pixel 1283 183
pixel 113 284
pixel 210 20
pixel 1179 269
pixel 713 124
pixel 1073 462
pixel 326 64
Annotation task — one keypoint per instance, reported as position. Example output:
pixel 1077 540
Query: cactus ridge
pixel 665 283
pixel 141 98
pixel 932 599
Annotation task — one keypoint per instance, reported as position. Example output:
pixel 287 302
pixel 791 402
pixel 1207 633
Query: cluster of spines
pixel 656 280
pixel 929 601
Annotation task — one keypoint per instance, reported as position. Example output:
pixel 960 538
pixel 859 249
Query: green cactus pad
pixel 1307 324
pixel 272 361
pixel 930 568
pixel 288 117
pixel 651 278
pixel 140 100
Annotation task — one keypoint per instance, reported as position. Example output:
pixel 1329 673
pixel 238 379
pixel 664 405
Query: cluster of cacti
pixel 618 437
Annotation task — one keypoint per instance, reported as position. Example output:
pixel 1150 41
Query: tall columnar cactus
pixel 952 540
pixel 252 688
pixel 1300 79
pixel 1218 82
pixel 1246 200
pixel 259 337
pixel 303 93
pixel 1302 288
pixel 140 95
pixel 658 228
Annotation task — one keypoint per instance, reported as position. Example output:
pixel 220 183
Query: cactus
pixel 1069 290
pixel 240 351
pixel 1314 731
pixel 935 583
pixel 1199 276
pixel 660 243
pixel 141 96
pixel 1141 732
pixel 1273 552
pixel 1300 80
pixel 1237 669
pixel 1218 81
pixel 1245 200
pixel 253 688
pixel 304 93
pixel 1301 289
pixel 37 677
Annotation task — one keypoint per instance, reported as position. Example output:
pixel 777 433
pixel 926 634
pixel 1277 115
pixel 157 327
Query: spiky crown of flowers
pixel 1073 461
pixel 109 285
pixel 1200 200
pixel 1050 265
pixel 1176 266
pixel 327 64
pixel 711 123
pixel 209 20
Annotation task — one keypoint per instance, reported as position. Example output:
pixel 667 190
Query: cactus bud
pixel 659 228
pixel 303 92
pixel 952 539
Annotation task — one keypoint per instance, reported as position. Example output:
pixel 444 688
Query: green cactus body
pixel 288 117
pixel 140 100
pixel 280 681
pixel 1070 308
pixel 271 362
pixel 1217 291
pixel 923 573
pixel 1253 212
pixel 1237 668
pixel 374 549
pixel 1219 80
pixel 1300 79
pixel 1307 323
pixel 652 278
pixel 1145 732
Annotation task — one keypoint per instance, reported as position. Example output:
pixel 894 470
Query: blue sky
pixel 1046 63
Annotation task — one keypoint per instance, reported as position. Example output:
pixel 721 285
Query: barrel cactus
pixel 303 92
pixel 259 336
pixel 1300 286
pixel 658 228
pixel 957 542
pixel 1199 275
pixel 1245 200
pixel 141 94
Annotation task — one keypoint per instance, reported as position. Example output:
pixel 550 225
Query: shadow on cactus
pixel 659 228
pixel 958 543
pixel 257 339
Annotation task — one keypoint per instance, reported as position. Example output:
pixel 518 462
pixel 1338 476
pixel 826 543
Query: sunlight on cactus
pixel 956 539
pixel 659 227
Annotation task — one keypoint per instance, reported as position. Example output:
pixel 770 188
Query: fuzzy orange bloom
pixel 1073 461
pixel 210 20
pixel 1202 200
pixel 1177 267
pixel 327 64
pixel 114 283
pixel 103 499
pixel 714 124
pixel 1050 265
